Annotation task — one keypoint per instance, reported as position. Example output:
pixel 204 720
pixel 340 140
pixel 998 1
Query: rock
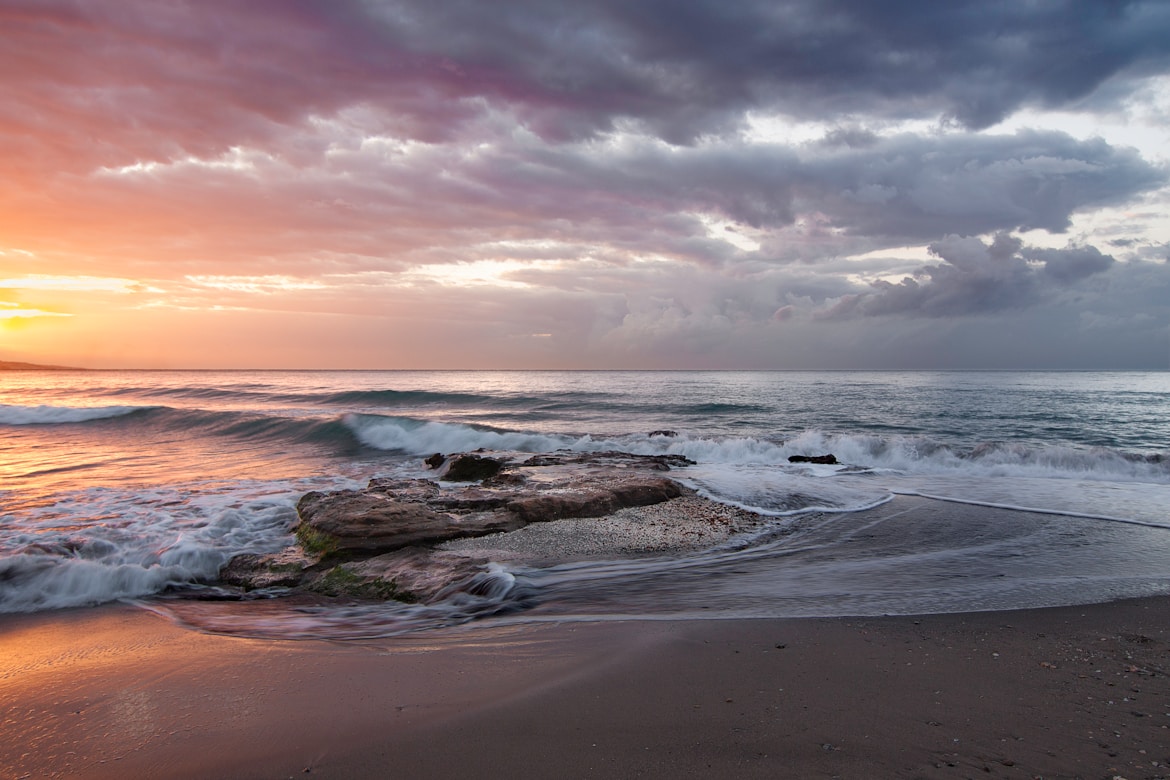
pixel 469 500
pixel 377 543
pixel 343 582
pixel 411 574
pixel 543 507
pixel 609 458
pixel 405 489
pixel 435 460
pixel 666 433
pixel 506 479
pixel 353 520
pixel 469 468
pixel 286 569
pixel 828 460
pixel 360 521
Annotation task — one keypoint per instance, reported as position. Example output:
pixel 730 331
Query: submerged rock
pixel 827 460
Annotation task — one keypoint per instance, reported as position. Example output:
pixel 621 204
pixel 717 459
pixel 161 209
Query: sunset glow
pixel 374 185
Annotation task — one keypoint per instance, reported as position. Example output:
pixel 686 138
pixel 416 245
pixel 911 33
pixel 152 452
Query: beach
pixel 1060 692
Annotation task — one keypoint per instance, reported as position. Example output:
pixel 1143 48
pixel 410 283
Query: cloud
pixel 915 187
pixel 200 78
pixel 976 278
pixel 591 171
pixel 1070 265
pixel 375 205
pixel 74 284
pixel 14 311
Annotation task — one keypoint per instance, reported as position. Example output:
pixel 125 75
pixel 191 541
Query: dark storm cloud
pixel 690 68
pixel 200 77
pixel 977 278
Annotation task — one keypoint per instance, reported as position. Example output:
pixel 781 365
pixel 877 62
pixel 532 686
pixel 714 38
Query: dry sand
pixel 1067 692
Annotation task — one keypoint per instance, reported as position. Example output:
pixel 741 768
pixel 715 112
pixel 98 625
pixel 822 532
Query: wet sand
pixel 1064 692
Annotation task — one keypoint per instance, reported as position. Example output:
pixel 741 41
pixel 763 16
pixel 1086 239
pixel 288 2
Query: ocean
pixel 1029 488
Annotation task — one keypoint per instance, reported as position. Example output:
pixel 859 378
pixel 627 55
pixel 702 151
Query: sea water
pixel 136 484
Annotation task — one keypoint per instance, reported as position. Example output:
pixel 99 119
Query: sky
pixel 719 184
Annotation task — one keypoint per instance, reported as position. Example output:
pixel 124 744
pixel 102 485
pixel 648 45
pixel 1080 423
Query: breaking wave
pixel 49 415
pixel 904 454
pixel 135 543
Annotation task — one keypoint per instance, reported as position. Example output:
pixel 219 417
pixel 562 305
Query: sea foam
pixel 134 543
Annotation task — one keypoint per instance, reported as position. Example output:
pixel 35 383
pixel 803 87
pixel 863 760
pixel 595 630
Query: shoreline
pixel 115 691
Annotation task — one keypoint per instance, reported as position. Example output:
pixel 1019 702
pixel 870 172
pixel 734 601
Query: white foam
pixel 416 437
pixel 102 544
pixel 904 454
pixel 781 492
pixel 34 582
pixel 915 455
pixel 41 415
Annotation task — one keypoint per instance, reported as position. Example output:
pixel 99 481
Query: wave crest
pixel 48 415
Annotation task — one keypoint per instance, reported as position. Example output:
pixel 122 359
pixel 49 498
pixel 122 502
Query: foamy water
pixel 129 484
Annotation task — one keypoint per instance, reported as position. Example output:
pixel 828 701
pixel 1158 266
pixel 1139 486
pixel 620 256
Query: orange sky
pixel 375 185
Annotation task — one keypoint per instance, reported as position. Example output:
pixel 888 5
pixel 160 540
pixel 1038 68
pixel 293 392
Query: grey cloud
pixel 685 69
pixel 898 190
pixel 364 205
pixel 976 278
pixel 1070 265
pixel 199 78
pixel 916 187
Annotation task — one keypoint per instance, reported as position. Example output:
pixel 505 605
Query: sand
pixel 1066 692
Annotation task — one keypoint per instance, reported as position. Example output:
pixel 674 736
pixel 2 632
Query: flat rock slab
pixel 373 521
pixel 379 542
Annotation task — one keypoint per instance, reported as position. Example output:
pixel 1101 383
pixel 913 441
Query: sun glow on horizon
pixel 76 284
pixel 14 311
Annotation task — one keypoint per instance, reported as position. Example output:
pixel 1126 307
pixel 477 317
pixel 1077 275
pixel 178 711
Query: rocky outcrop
pixel 377 543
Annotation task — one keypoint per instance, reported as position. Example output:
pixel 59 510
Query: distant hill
pixel 9 365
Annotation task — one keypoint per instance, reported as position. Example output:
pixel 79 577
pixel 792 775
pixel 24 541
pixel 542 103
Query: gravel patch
pixel 686 523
